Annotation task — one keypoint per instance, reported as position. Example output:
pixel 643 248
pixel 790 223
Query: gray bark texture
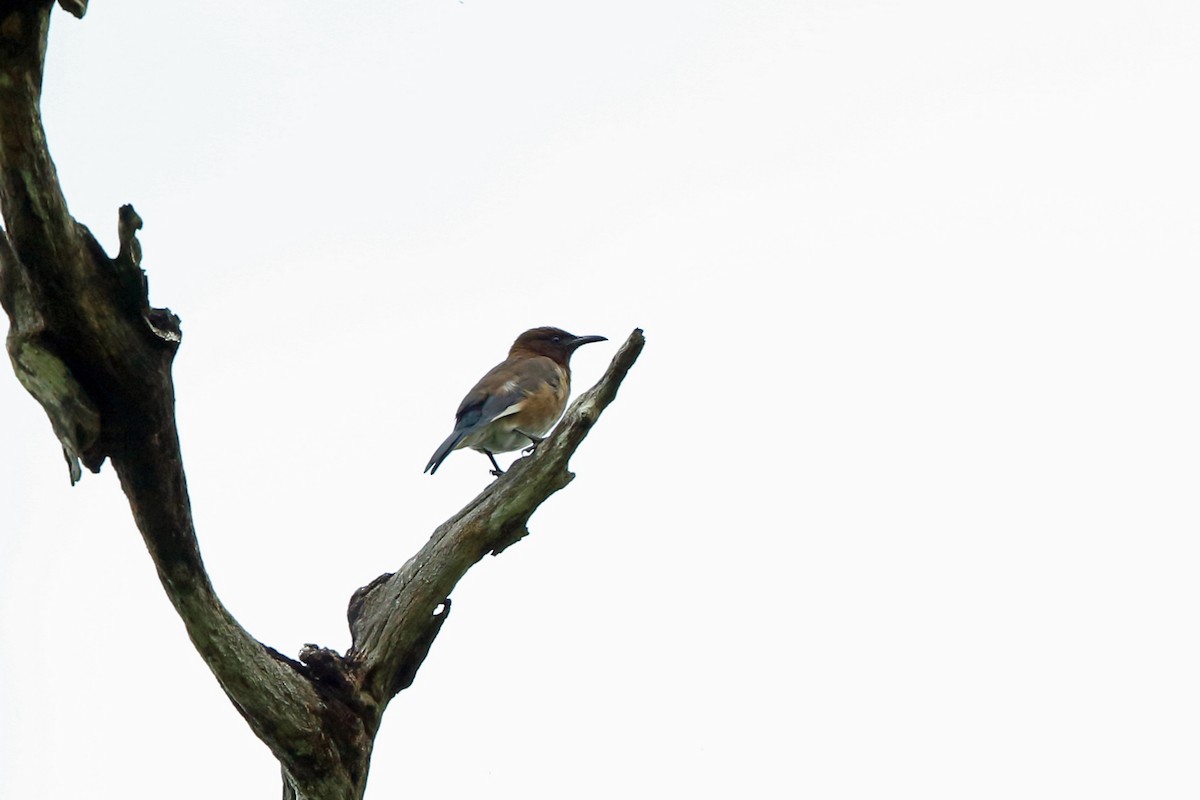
pixel 85 342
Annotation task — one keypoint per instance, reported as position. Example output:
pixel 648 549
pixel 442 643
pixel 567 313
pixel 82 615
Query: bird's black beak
pixel 579 341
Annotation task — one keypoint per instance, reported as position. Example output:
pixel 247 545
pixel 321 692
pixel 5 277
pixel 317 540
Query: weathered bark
pixel 85 342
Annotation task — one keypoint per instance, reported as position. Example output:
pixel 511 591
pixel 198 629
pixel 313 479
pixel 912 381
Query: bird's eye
pixel 557 340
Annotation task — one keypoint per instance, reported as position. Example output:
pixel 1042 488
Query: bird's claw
pixel 535 441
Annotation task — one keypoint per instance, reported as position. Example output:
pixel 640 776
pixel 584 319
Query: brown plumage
pixel 518 401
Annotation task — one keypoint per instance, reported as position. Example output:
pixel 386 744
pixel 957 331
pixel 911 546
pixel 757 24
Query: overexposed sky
pixel 898 502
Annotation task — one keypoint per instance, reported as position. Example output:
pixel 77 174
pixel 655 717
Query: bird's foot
pixel 533 447
pixel 496 472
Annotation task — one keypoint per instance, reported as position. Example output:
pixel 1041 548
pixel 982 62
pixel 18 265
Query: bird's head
pixel 554 343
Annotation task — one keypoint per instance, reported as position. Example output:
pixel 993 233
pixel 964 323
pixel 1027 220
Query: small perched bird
pixel 518 401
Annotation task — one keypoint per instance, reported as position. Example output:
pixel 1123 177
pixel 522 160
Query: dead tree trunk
pixel 85 342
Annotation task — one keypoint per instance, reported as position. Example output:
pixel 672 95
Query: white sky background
pixel 900 499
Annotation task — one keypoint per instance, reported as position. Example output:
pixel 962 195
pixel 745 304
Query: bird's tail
pixel 444 449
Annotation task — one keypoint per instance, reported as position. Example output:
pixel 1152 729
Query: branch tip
pixel 76 8
pixel 128 224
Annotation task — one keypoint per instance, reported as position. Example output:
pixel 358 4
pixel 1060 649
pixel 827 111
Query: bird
pixel 516 403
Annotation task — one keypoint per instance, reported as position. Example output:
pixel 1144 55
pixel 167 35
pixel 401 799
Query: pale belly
pixel 500 437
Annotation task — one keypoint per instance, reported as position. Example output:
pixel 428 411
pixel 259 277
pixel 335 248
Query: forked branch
pixel 85 342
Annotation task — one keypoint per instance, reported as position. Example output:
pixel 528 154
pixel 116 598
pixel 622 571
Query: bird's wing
pixel 503 391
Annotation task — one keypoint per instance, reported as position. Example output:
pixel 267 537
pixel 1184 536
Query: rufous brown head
pixel 553 343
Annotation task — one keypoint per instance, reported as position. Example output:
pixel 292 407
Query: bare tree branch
pixel 85 342
pixel 391 616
